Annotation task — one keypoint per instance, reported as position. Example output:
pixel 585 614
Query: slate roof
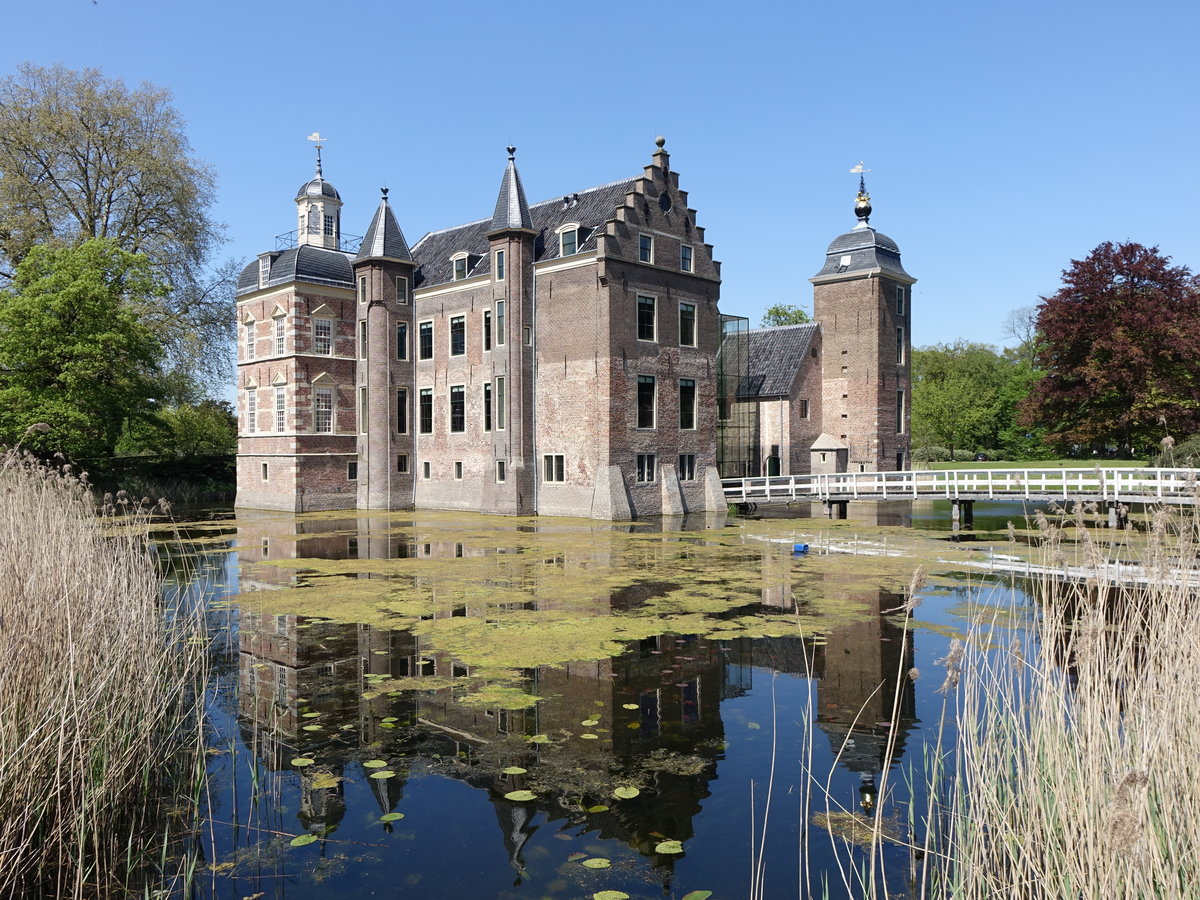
pixel 590 208
pixel 318 187
pixel 512 211
pixel 867 249
pixel 314 265
pixel 384 237
pixel 775 355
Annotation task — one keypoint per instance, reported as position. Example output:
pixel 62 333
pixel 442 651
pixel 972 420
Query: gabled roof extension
pixel 775 355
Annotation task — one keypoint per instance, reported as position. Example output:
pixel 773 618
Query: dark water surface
pixel 709 656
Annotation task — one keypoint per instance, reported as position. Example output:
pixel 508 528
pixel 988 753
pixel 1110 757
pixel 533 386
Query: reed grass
pixel 1069 775
pixel 100 693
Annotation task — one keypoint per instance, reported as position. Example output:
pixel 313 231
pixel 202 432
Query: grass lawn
pixel 1041 464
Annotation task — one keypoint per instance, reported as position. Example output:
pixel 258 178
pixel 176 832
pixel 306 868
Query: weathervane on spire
pixel 316 138
pixel 862 203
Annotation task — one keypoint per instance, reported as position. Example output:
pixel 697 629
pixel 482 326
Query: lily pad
pixel 382 773
pixel 514 770
pixel 302 839
pixel 588 723
pixel 625 793
pixel 598 808
pixel 610 895
pixel 391 817
pixel 374 764
pixel 576 856
pixel 630 706
pixel 311 715
pixel 539 739
pixel 668 847
pixel 520 796
pixel 697 895
pixel 314 728
pixel 589 737
pixel 302 761
pixel 597 862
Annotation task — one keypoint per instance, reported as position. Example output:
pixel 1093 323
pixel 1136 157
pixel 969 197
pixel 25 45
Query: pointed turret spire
pixel 511 209
pixel 384 239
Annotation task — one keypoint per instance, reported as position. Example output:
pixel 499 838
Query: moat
pixel 451 705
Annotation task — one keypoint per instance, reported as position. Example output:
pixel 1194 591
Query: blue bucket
pixel 797 549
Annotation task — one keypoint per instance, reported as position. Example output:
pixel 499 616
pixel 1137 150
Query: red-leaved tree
pixel 1120 346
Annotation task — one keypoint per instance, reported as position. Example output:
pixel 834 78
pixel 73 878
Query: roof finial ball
pixel 660 142
pixel 862 203
pixel 512 152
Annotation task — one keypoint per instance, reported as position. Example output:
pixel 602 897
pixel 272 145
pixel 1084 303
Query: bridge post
pixel 962 515
pixel 835 509
pixel 1118 516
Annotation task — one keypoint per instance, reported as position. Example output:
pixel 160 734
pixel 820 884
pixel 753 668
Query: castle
pixel 562 358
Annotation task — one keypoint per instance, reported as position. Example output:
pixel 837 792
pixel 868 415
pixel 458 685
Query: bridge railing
pixel 1111 484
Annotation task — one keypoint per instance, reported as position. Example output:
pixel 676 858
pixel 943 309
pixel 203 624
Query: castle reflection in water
pixel 660 699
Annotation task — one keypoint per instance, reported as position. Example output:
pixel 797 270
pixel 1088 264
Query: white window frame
pixel 652 380
pixel 402 341
pixel 422 393
pixel 264 271
pixel 352 470
pixel 499 265
pixel 402 463
pixel 460 260
pixel 554 468
pixel 695 394
pixel 280 335
pixel 421 344
pixel 692 307
pixel 320 393
pixel 646 253
pixel 689 257
pixel 402 290
pixel 280 409
pixel 900 301
pixel 251 411
pixel 501 400
pixel 638 317
pixel 572 229
pixel 402 403
pixel 645 472
pixel 251 338
pixel 687 467
pixel 462 392
pixel 362 338
pixel 501 471
pixel 318 323
pixel 500 322
pixel 458 470
pixel 462 320
pixel 362 288
pixel 426 474
pixel 362 409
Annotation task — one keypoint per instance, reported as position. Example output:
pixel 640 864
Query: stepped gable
pixel 589 208
pixel 775 355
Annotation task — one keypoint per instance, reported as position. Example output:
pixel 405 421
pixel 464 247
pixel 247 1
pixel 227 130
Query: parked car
pixel 981 457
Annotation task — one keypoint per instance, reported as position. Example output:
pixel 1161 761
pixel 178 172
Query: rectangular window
pixel 264 271
pixel 645 466
pixel 804 409
pixel 425 411
pixel 402 411
pixel 329 226
pixel 401 290
pixel 899 412
pixel 645 318
pixel 500 403
pixel 352 470
pixel 646 385
pixel 323 410
pixel 263 470
pixel 687 324
pixel 500 322
pixel 362 410
pixel 645 248
pixel 402 463
pixel 362 339
pixel 900 346
pixel 553 467
pixel 362 288
pixel 401 340
pixel 685 258
pixel 249 340
pixel 425 475
pixel 425 340
pixel 900 302
pixel 687 404
pixel 458 408
pixel 568 242
pixel 501 471
pixel 487 407
pixel 487 329
pixel 323 336
pixel 460 268
pixel 280 408
pixel 280 333
pixel 251 412
pixel 458 335
pixel 499 265
pixel 527 335
pixel 687 467
pixel 458 470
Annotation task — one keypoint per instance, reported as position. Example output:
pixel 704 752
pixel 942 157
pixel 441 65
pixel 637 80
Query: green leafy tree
pixel 784 314
pixel 1118 345
pixel 956 395
pixel 83 157
pixel 73 354
pixel 207 428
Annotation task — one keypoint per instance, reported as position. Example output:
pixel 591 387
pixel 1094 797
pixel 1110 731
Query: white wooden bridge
pixel 1111 486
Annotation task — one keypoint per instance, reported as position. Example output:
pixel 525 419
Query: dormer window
pixel 460 266
pixel 264 271
pixel 568 240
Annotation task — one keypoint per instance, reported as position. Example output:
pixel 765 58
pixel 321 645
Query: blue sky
pixel 1003 139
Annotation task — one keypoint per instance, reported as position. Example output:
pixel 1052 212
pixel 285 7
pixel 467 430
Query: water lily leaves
pixel 625 793
pixel 302 839
pixel 388 719
pixel 303 761
pixel 630 706
pixel 520 796
pixel 539 739
pixel 387 724
pixel 589 737
pixel 313 728
pixel 597 862
pixel 588 723
pixel 576 856
pixel 310 715
pixel 610 895
pixel 382 773
pixel 391 817
pixel 514 770
pixel 598 808
pixel 697 895
pixel 374 764
pixel 668 847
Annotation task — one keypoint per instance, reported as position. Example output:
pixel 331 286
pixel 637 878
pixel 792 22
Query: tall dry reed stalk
pixel 100 692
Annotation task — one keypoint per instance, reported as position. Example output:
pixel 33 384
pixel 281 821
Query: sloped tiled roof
pixel 384 237
pixel 511 209
pixel 775 355
pixel 314 265
pixel 590 208
pixel 863 249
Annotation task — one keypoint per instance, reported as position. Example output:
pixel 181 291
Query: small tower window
pixel 499 265
pixel 328 225
pixel 401 289
pixel 900 302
